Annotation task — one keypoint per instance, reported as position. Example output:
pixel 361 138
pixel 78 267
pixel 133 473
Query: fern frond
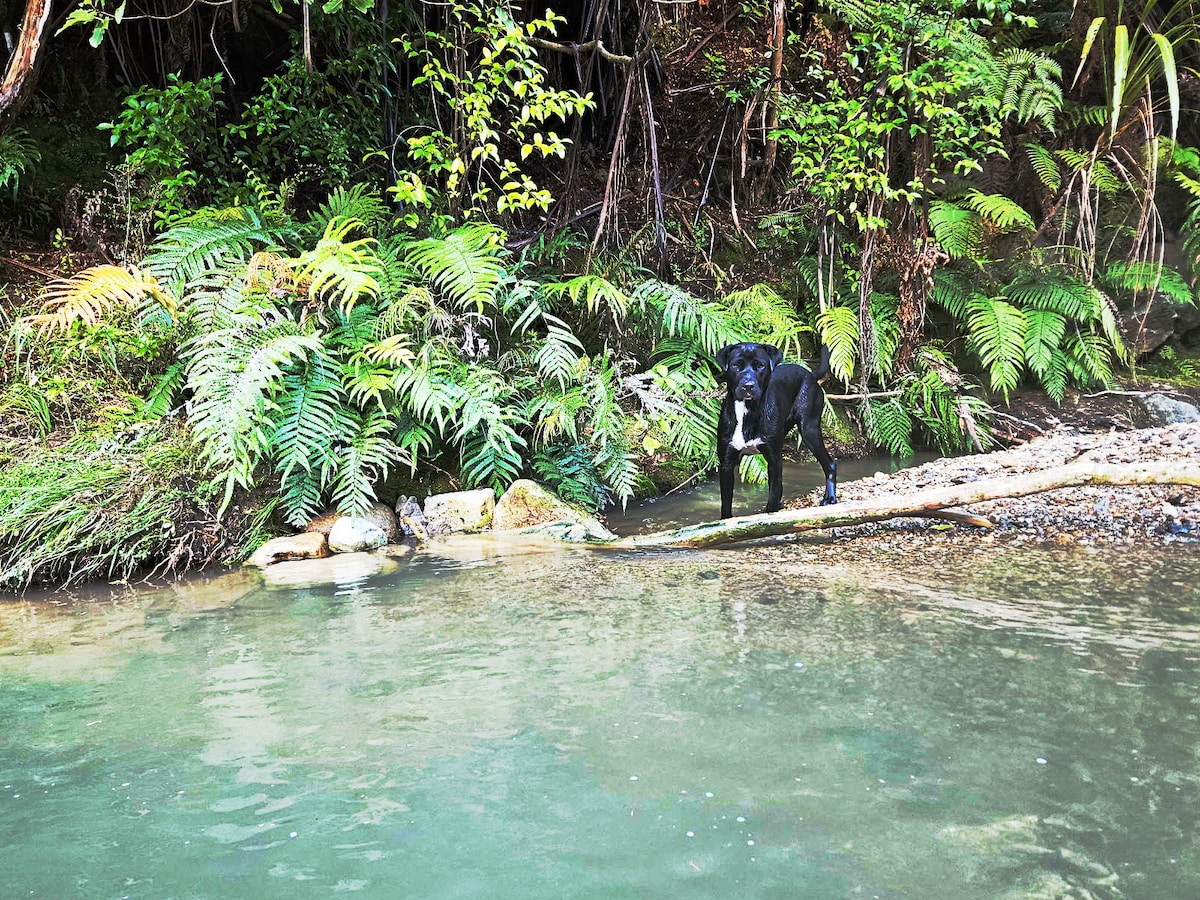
pixel 958 230
pixel 1044 166
pixel 341 271
pixel 206 244
pixel 467 265
pixel 761 311
pixel 838 327
pixel 558 356
pixel 996 332
pixel 233 375
pixel 308 404
pixel 889 425
pixel 362 458
pixel 1088 359
pixel 1043 333
pixel 93 293
pixel 1002 212
pixel 1032 86
pixel 1142 276
pixel 679 314
pixel 427 389
pixel 952 292
pixel 594 293
pixel 361 202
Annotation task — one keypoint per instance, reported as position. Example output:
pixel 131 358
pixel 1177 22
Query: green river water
pixel 518 723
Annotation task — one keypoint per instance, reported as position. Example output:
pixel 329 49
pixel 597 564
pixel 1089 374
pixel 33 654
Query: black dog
pixel 766 397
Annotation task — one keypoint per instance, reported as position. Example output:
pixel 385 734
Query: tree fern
pixel 952 292
pixel 1032 86
pixel 996 332
pixel 427 388
pixel 558 356
pixel 467 265
pixel 680 314
pixel 491 447
pixel 594 293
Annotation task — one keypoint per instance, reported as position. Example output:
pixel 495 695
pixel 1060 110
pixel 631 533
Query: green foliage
pixel 501 106
pixel 570 471
pixel 105 507
pixel 18 154
pixel 168 134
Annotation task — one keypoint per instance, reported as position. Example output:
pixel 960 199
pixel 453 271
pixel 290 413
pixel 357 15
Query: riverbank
pixel 1088 516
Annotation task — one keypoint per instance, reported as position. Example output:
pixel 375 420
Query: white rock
pixel 460 511
pixel 353 534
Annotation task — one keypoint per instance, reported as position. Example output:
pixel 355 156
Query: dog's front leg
pixel 729 460
pixel 774 458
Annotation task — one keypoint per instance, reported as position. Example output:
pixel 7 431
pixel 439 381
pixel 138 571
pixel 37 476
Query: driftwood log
pixel 935 502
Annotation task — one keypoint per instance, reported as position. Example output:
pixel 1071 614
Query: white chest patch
pixel 739 442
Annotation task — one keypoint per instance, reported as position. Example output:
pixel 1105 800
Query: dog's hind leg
pixel 727 464
pixel 810 433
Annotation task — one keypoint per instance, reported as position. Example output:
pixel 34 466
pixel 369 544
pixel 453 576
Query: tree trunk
pixel 926 503
pixel 18 77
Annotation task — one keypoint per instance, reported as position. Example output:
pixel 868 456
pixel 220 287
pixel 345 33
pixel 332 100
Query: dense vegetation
pixel 342 249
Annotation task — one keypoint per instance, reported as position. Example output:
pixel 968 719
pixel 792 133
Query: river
pixel 503 721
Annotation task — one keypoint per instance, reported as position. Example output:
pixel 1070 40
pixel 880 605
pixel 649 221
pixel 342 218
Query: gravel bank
pixel 1153 514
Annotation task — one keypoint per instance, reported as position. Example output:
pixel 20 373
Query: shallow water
pixel 511 722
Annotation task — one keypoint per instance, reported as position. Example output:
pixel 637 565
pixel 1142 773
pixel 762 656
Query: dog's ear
pixel 723 357
pixel 774 355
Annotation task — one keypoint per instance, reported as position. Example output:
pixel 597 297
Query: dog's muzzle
pixel 747 391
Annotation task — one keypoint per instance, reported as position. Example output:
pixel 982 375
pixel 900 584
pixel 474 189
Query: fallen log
pixel 926 503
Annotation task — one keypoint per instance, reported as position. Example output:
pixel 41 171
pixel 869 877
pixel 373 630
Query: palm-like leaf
pixel 838 327
pixel 362 457
pixel 1043 333
pixel 307 417
pixel 958 230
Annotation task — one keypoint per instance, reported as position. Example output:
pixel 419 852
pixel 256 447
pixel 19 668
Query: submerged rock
pixel 460 511
pixel 307 545
pixel 527 504
pixel 342 568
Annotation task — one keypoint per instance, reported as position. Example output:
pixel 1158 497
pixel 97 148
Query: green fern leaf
pixel 341 271
pixel 1002 212
pixel 361 459
pixel 996 333
pixel 958 230
pixel 594 293
pixel 889 425
pixel 207 244
pixel 1044 166
pixel 838 327
pixel 558 357
pixel 1142 276
pixel 467 265
pixel 1043 333
pixel 952 292
pixel 308 405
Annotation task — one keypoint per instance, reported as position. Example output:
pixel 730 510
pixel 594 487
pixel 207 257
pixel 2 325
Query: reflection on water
pixel 520 723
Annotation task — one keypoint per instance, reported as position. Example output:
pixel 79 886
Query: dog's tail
pixel 822 368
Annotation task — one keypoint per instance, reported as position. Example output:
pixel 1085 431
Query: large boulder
pixel 308 545
pixel 527 504
pixel 379 514
pixel 460 511
pixel 354 534
pixel 1154 320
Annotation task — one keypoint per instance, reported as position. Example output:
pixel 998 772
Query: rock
pixel 307 545
pixel 412 519
pixel 527 504
pixel 342 569
pixel 460 511
pixel 1164 410
pixel 379 514
pixel 1154 320
pixel 353 534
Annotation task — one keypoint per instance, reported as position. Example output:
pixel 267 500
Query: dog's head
pixel 747 368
